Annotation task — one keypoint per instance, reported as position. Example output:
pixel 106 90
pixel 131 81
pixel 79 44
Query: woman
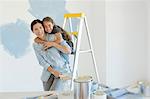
pixel 51 59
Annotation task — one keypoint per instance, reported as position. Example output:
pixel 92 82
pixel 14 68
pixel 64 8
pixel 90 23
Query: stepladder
pixel 76 38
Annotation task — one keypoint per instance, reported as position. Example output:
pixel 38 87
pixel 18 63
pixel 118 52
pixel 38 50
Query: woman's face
pixel 48 26
pixel 38 30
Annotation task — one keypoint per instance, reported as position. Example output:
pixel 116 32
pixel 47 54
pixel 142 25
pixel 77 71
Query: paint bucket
pixel 82 87
pixel 99 95
pixel 146 91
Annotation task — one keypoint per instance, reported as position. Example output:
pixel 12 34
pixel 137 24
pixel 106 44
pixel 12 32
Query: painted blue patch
pixel 53 8
pixel 15 38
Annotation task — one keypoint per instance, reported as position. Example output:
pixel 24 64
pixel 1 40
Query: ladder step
pixel 73 33
pixel 85 51
pixel 74 15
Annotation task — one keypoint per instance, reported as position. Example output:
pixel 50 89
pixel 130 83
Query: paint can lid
pixel 83 79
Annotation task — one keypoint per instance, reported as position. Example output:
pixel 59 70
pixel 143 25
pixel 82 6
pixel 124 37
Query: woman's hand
pixel 64 77
pixel 53 71
pixel 47 45
pixel 56 73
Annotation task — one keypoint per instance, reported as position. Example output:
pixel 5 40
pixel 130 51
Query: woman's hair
pixel 49 19
pixel 35 22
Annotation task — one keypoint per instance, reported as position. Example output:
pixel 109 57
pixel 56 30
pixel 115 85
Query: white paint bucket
pixel 82 87
pixel 147 91
pixel 99 95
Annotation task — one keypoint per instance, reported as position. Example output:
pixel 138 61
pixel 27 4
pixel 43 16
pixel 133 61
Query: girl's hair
pixel 49 19
pixel 35 22
pixel 64 33
pixel 67 38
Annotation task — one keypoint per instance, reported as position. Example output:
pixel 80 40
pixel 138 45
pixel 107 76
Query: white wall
pixel 23 74
pixel 148 37
pixel 119 36
pixel 18 74
pixel 126 30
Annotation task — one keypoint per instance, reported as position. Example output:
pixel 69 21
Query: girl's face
pixel 48 26
pixel 38 30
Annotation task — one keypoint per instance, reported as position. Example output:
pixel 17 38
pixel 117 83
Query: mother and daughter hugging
pixel 52 47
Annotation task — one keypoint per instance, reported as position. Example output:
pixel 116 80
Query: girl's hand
pixel 47 45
